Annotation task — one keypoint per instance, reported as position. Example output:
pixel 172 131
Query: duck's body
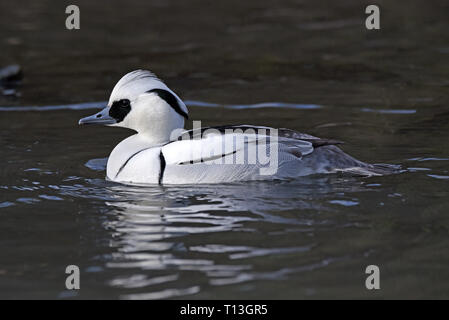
pixel 162 152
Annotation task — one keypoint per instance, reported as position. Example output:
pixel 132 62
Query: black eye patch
pixel 120 109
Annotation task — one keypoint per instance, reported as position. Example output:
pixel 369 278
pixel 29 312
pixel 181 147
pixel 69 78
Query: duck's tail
pixel 378 169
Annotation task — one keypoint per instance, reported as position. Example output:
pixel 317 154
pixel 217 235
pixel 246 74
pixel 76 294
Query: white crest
pixel 135 83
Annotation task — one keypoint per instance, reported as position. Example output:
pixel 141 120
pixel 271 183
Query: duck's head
pixel 142 102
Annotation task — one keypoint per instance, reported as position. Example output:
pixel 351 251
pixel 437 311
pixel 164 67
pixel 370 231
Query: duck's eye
pixel 124 103
pixel 120 109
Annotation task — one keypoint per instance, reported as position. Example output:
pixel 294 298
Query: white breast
pixel 133 161
pixel 142 168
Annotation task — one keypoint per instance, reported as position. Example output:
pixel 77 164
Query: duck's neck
pixel 148 139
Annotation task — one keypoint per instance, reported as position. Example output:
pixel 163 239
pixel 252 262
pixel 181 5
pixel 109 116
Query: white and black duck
pixel 163 152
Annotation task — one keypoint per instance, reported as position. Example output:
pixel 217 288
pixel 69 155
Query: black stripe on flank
pixel 168 97
pixel 208 159
pixel 126 162
pixel 163 165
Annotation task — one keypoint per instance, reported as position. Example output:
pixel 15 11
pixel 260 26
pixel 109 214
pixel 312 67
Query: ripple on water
pixel 420 159
pixel 6 204
pixel 346 203
pixel 163 294
pixel 390 111
pixel 192 103
pixel 439 177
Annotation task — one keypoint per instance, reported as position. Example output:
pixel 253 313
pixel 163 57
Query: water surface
pixel 300 65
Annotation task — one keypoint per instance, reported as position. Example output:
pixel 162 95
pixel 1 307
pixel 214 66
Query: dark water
pixel 383 92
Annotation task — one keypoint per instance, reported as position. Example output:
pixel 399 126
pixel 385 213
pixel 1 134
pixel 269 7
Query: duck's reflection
pixel 171 241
